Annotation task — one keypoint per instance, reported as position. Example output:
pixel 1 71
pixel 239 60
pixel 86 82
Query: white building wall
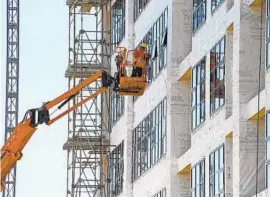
pixel 122 129
pixel 148 17
pixel 241 86
pixel 184 146
pixel 155 178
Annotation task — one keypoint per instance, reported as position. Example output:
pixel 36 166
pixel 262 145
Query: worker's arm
pixel 147 56
pixel 11 150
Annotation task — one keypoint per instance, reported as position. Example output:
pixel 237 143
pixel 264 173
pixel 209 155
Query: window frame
pixel 136 8
pixel 217 67
pixel 195 88
pixel 215 4
pixel 156 37
pixel 161 193
pixel 201 7
pixel 155 138
pixel 202 182
pixel 220 170
pixel 117 33
pixel 116 103
pixel 116 174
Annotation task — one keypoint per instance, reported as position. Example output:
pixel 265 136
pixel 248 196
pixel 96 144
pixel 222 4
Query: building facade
pixel 199 129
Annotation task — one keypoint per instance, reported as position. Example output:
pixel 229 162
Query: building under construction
pixel 196 131
pixel 201 126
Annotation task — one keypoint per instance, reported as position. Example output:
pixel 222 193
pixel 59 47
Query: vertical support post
pixel 12 85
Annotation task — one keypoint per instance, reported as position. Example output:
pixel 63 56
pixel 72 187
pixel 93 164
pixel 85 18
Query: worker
pixel 140 54
pixel 118 60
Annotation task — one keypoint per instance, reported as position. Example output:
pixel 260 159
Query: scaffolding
pixel 12 85
pixel 88 140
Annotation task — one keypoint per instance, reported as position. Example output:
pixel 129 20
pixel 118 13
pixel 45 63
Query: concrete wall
pixel 264 193
pixel 229 125
pixel 241 79
pixel 155 178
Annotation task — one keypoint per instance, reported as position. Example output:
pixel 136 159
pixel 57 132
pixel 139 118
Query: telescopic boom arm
pixel 11 151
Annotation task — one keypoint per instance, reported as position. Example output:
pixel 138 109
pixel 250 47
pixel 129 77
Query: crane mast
pixel 12 84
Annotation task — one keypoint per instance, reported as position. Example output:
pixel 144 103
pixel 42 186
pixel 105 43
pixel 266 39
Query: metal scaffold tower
pixel 12 85
pixel 88 127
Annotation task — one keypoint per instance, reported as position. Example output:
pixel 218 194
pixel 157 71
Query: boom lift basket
pixel 132 81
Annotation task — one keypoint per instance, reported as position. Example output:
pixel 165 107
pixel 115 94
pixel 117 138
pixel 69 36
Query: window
pixel 117 22
pixel 161 193
pixel 198 94
pixel 156 40
pixel 216 173
pixel 139 6
pixel 268 35
pixel 197 180
pixel 199 13
pixel 117 106
pixel 268 149
pixel 215 4
pixel 149 140
pixel 116 170
pixel 217 73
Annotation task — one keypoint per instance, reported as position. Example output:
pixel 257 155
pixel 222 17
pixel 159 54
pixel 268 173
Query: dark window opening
pixel 199 13
pixel 217 75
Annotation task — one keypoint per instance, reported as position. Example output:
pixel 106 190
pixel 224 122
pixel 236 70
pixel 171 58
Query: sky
pixel 43 60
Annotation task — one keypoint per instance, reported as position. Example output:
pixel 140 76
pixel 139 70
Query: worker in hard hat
pixel 140 54
pixel 118 60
